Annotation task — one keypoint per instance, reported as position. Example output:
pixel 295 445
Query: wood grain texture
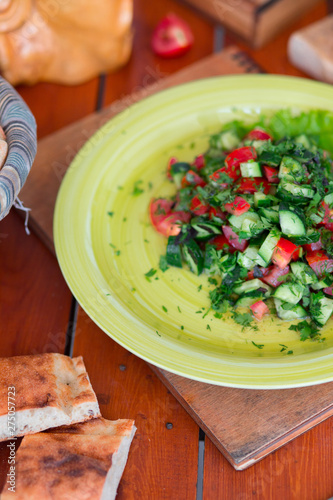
pixel 162 462
pixel 301 470
pixel 273 417
pixel 56 151
pixel 273 57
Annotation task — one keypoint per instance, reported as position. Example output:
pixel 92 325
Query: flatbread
pixel 44 390
pixel 83 462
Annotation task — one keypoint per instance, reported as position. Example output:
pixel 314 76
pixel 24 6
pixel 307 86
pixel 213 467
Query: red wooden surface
pixel 35 304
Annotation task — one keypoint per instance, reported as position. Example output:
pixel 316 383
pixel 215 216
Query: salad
pixel 255 213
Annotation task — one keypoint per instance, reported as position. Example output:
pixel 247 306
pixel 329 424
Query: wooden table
pixel 170 458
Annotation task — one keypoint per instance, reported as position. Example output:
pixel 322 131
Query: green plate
pixel 104 257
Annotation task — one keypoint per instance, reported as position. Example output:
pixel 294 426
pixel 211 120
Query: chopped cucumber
pixel 323 283
pixel 251 228
pixel 321 308
pixel 237 221
pixel 204 229
pixel 291 169
pixel 178 170
pixel 250 169
pixel 249 258
pixel 250 299
pixel 227 140
pixel 193 256
pixel 173 253
pixel 329 199
pixel 289 292
pixel 271 213
pixel 249 286
pixel 304 273
pixel 267 248
pixel 303 140
pixel 299 190
pixel 285 311
pixel 292 220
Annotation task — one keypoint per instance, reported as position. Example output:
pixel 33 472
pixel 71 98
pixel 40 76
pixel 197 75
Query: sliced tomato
pixel 264 271
pixel 311 247
pixel 198 207
pixel 319 262
pixel 158 209
pixel 328 290
pixel 172 37
pixel 199 162
pixel 259 309
pixel 272 278
pixel 271 174
pixel 171 224
pixel 217 212
pixel 283 252
pixel 250 185
pixel 191 178
pixel 221 243
pixel 258 134
pixel 233 239
pixel 240 155
pixel 220 175
pixel 171 162
pixel 297 253
pixel 237 207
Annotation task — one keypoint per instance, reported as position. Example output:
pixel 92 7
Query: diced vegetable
pixel 233 239
pixel 191 178
pixel 275 276
pixel 321 308
pixel 271 174
pixel 198 207
pixel 250 169
pixel 284 311
pixel 193 256
pixel 173 252
pixel 291 220
pixel 267 248
pixel 304 273
pixel 289 292
pixel 283 252
pixel 238 206
pixel 319 262
pixel 250 186
pixel 259 309
pixel 259 134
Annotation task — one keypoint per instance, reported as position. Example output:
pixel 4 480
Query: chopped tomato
pixel 264 271
pixel 271 174
pixel 237 207
pixel 158 209
pixel 250 185
pixel 171 224
pixel 221 243
pixel 198 207
pixel 259 309
pixel 258 134
pixel 311 247
pixel 283 252
pixel 297 253
pixel 191 178
pixel 240 155
pixel 171 162
pixel 329 226
pixel 172 37
pixel 217 212
pixel 319 262
pixel 328 290
pixel 199 162
pixel 225 174
pixel 272 278
pixel 328 215
pixel 233 239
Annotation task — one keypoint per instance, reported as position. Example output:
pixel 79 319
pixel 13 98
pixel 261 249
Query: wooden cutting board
pixel 256 21
pixel 245 425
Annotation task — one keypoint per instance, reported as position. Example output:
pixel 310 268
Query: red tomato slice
pixel 250 185
pixel 240 155
pixel 259 309
pixel 297 253
pixel 219 175
pixel 172 37
pixel 319 262
pixel 271 174
pixel 191 178
pixel 171 161
pixel 258 134
pixel 311 247
pixel 237 207
pixel 170 225
pixel 221 243
pixel 274 274
pixel 158 209
pixel 198 207
pixel 199 162
pixel 233 239
pixel 283 252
